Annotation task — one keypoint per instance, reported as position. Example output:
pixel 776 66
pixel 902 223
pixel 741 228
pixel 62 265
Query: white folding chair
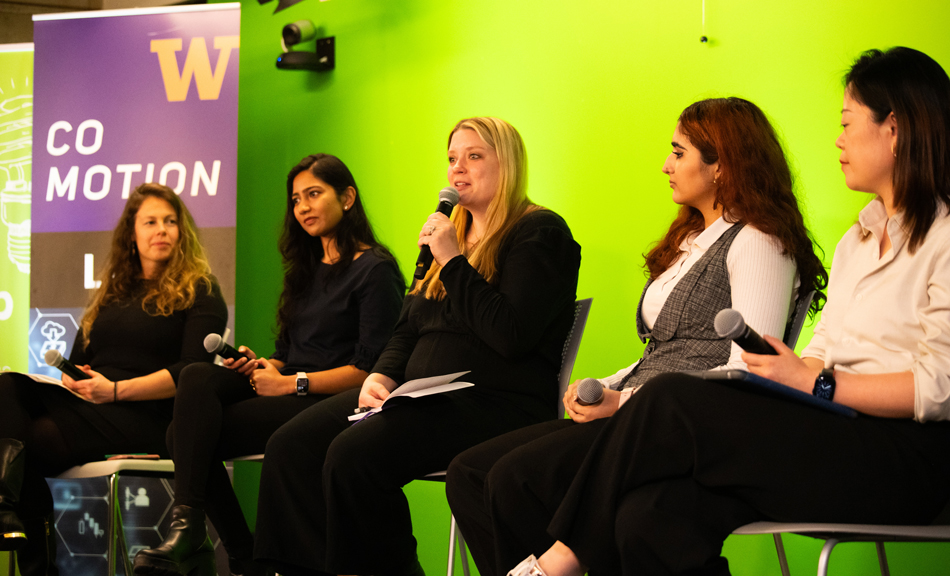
pixel 834 534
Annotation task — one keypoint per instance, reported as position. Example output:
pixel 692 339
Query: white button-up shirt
pixel 891 312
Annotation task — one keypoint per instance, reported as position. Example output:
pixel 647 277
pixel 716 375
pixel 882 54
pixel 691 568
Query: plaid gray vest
pixel 683 336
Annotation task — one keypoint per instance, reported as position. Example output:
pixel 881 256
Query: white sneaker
pixel 528 567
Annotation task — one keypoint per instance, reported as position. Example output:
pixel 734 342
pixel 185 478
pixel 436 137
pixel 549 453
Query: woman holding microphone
pixel 146 322
pixel 700 460
pixel 498 302
pixel 341 297
pixel 739 242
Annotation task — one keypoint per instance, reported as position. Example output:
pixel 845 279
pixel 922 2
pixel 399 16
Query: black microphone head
pixel 729 324
pixel 450 195
pixel 214 343
pixel 590 391
pixel 53 358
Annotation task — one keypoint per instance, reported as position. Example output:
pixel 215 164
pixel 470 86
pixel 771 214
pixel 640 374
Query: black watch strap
pixel 825 385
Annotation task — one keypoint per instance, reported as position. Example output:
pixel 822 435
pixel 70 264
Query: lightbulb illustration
pixel 16 128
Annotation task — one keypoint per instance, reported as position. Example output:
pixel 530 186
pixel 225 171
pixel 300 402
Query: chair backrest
pixel 571 345
pixel 794 328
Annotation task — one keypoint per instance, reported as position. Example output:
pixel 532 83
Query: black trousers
pixel 218 416
pixel 686 461
pixel 331 498
pixel 61 431
pixel 505 491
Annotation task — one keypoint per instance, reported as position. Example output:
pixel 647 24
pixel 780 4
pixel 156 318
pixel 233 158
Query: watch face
pixel 824 390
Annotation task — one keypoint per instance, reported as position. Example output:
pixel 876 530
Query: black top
pixel 509 333
pixel 345 322
pixel 126 341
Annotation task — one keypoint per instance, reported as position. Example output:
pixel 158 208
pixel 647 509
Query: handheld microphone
pixel 216 345
pixel 56 360
pixel 729 324
pixel 448 198
pixel 590 392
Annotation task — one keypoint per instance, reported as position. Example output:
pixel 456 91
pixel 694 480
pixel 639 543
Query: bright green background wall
pixel 595 88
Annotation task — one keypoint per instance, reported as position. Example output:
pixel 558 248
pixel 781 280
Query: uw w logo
pixel 197 64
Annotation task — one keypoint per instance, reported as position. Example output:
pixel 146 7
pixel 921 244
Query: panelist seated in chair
pixel 146 322
pixel 498 301
pixel 739 241
pixel 342 294
pixel 685 462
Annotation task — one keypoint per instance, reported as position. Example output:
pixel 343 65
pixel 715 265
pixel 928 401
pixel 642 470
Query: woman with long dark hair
pixel 739 241
pixel 685 462
pixel 498 302
pixel 146 322
pixel 341 297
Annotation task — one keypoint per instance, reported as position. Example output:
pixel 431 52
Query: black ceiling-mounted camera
pixel 321 60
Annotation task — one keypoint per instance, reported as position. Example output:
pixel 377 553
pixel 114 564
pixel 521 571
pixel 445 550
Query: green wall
pixel 595 88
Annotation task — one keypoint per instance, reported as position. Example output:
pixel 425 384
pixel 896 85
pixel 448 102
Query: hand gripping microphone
pixel 56 360
pixel 729 324
pixel 216 345
pixel 590 392
pixel 448 198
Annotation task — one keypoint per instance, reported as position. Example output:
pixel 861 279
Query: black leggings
pixel 61 431
pixel 218 416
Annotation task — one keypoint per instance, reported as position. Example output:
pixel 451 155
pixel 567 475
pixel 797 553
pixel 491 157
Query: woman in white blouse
pixel 700 460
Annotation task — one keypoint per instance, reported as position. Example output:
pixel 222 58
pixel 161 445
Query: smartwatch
pixel 825 385
pixel 303 384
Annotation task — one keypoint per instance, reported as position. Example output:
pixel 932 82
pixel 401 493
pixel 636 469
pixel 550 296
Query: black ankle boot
pixel 12 531
pixel 38 555
pixel 186 549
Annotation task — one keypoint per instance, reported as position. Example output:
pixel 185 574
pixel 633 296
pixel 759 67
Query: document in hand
pixel 44 379
pixel 759 385
pixel 417 389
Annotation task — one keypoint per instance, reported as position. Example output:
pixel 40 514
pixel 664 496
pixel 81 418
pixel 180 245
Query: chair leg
pixel 452 530
pixel 117 544
pixel 825 556
pixel 12 568
pixel 780 551
pixel 455 535
pixel 113 512
pixel 463 553
pixel 882 559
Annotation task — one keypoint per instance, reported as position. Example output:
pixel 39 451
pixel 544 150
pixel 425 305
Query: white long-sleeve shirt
pixel 762 280
pixel 891 312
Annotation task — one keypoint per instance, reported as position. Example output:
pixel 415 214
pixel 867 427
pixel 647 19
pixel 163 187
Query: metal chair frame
pixel 568 356
pixel 834 534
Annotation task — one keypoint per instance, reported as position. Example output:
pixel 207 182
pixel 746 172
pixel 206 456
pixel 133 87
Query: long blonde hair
pixel 507 206
pixel 177 285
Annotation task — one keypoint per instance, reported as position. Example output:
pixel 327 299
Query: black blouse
pixel 126 341
pixel 509 333
pixel 346 321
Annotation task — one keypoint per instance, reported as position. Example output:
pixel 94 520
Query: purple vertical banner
pixel 122 98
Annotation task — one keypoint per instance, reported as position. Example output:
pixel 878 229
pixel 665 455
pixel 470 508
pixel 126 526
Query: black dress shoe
pixel 186 550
